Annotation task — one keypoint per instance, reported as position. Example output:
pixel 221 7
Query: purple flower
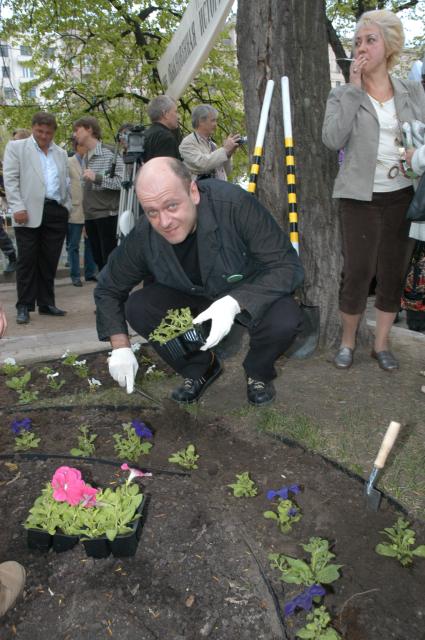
pixel 304 600
pixel 18 426
pixel 141 429
pixel 292 512
pixel 283 492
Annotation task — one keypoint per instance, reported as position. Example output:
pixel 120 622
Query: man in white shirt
pixel 198 151
pixel 36 182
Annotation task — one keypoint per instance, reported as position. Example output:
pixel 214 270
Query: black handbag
pixel 416 210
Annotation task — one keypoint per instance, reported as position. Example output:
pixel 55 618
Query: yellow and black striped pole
pixel 290 166
pixel 258 150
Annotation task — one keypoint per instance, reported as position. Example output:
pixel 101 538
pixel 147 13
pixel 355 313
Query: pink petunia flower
pixel 67 485
pixel 134 473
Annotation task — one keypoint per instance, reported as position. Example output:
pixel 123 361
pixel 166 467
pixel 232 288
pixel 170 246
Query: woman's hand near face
pixel 356 71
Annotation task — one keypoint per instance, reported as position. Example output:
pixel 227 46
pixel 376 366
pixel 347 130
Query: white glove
pixel 221 313
pixel 123 367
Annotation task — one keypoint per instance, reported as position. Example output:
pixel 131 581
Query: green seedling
pixel 244 487
pixel 9 367
pixel 26 397
pixel 185 457
pixel 18 384
pixel 130 446
pixel 400 545
pixel 175 322
pixel 78 366
pixel 319 571
pixel 86 440
pixel 51 376
pixel 317 627
pixel 287 514
pixel 26 440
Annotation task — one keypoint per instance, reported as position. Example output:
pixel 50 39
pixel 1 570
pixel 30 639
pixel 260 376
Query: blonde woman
pixel 364 118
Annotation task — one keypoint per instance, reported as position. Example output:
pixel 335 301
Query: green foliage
pixel 130 446
pixel 244 487
pixel 185 457
pixel 317 626
pixel 51 376
pixel 10 368
pixel 175 322
pixel 18 384
pixel 86 440
pixel 105 63
pixel 79 367
pixel 318 571
pixel 400 545
pixel 26 440
pixel 287 514
pixel 112 515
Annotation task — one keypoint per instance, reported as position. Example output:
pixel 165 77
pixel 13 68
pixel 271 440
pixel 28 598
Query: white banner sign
pixel 201 23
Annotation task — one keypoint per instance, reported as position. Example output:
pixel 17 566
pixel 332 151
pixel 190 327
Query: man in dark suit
pixel 36 181
pixel 162 137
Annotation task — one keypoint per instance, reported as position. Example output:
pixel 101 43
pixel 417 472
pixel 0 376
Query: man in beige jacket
pixel 200 154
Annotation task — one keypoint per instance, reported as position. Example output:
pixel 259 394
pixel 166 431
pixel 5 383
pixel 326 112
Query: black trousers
pixel 39 251
pixel 102 235
pixel 6 244
pixel 269 339
pixel 375 242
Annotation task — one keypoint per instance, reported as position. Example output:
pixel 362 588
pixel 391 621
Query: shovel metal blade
pixel 373 496
pixel 307 339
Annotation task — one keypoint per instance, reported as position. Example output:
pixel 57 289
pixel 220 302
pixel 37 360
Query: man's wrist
pixel 120 341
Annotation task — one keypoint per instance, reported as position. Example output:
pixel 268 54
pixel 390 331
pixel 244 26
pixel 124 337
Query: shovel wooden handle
pixel 387 444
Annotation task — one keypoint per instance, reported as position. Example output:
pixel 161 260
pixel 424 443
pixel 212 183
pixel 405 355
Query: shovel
pixel 373 496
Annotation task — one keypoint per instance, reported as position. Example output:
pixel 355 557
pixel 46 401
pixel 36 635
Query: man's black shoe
pixel 50 310
pixel 191 390
pixel 22 315
pixel 260 393
pixel 77 282
pixel 91 279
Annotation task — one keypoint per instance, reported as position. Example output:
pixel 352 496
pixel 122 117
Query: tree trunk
pixel 289 37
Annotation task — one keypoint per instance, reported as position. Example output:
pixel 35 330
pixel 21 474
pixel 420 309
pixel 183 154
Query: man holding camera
pixel 198 151
pixel 213 247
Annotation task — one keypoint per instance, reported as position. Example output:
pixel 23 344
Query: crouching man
pixel 214 248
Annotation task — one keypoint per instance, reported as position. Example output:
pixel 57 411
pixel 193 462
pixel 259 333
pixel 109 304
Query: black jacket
pixel 161 141
pixel 236 236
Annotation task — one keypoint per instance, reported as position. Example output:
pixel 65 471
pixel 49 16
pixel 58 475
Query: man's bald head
pixel 164 165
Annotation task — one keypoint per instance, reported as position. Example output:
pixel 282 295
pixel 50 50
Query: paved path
pixel 47 337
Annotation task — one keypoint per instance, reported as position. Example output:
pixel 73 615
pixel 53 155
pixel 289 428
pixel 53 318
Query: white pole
pixel 264 114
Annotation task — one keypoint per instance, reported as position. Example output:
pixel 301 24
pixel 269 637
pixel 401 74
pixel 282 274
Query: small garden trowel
pixel 373 496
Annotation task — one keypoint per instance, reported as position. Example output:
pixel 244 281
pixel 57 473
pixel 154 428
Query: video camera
pixel 133 141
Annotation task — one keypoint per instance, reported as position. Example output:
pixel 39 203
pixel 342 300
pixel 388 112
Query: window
pixel 51 52
pixel 25 50
pixel 9 93
pixel 4 50
pixel 32 92
pixel 5 72
pixel 27 72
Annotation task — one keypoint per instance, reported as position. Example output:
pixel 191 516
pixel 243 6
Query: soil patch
pixel 201 569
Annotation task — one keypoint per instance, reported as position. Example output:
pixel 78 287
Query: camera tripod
pixel 129 208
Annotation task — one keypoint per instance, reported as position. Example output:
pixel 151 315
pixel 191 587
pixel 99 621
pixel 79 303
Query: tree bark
pixel 289 37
